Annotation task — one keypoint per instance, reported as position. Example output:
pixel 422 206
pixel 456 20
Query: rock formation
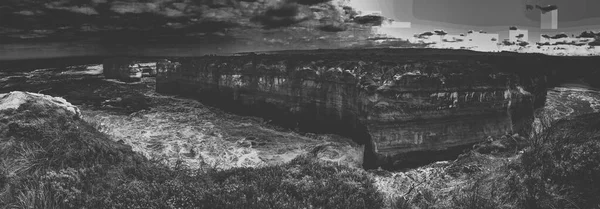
pixel 129 69
pixel 15 99
pixel 406 106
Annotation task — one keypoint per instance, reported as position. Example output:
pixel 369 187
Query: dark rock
pixel 130 69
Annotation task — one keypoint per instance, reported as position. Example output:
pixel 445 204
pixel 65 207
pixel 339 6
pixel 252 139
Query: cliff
pixel 406 106
pixel 130 69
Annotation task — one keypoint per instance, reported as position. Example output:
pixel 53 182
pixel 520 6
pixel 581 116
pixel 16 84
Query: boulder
pixel 15 99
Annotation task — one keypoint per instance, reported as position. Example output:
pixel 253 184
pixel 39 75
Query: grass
pixel 554 169
pixel 49 160
pixel 557 169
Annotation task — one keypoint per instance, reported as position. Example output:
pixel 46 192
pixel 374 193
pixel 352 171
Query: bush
pixel 561 165
pixel 41 138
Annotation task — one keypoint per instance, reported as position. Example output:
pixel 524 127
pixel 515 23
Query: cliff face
pixel 406 109
pixel 130 69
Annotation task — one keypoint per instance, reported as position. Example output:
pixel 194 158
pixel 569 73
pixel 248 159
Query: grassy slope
pixel 51 161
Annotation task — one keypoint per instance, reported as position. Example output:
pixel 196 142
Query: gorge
pixel 406 106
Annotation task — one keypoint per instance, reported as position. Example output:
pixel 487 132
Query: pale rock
pixel 15 99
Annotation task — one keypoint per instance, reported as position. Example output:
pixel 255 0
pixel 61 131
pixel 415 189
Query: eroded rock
pixel 406 108
pixel 15 99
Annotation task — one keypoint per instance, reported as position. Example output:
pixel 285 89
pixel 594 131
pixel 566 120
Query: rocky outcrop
pixel 129 69
pixel 406 106
pixel 16 99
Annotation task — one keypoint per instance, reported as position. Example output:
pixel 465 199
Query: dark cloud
pixel 560 35
pixel 547 8
pixel 349 12
pixel 589 34
pixel 183 21
pixel 424 34
pixel 453 40
pixel 333 28
pixel 374 20
pixel 310 2
pixel 557 36
pixel 440 32
pixel 389 42
pixel 529 7
pixel 282 16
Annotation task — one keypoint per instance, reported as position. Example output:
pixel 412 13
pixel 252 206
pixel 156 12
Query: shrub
pixel 400 203
pixel 42 138
pixel 473 198
pixel 561 165
pixel 424 199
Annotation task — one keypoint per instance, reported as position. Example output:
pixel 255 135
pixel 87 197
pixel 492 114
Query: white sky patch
pixel 77 9
pixel 26 13
pixel 133 7
pixel 82 10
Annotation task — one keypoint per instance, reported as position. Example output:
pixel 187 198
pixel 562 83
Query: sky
pixel 495 16
pixel 212 25
pixel 194 27
pixel 482 12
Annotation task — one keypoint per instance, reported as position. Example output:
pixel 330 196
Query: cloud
pixel 64 5
pixel 133 7
pixel 440 32
pixel 529 7
pixel 99 1
pixel 374 20
pixel 333 28
pixel 453 40
pixel 302 21
pixel 424 34
pixel 82 10
pixel 589 34
pixel 545 9
pixel 26 12
pixel 310 2
pixel 557 36
pixel 282 16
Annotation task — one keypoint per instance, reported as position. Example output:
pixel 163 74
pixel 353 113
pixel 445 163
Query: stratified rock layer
pixel 407 107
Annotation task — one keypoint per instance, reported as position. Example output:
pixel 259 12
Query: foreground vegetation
pixel 49 160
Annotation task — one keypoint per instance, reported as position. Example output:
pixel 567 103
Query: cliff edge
pixel 407 106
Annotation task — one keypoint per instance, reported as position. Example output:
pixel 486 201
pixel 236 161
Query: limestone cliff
pixel 405 106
